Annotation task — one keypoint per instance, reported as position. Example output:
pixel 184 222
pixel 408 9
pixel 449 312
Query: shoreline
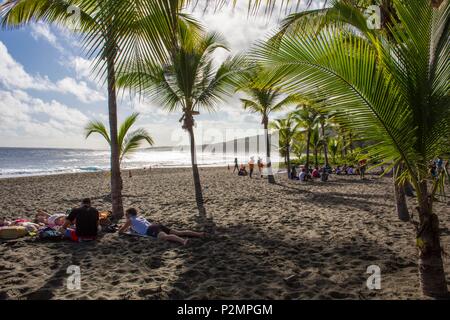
pixel 106 171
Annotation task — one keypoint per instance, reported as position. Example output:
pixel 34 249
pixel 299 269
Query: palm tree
pixel 316 143
pixel 399 98
pixel 324 138
pixel 116 34
pixel 307 118
pixel 334 148
pixel 187 83
pixel 264 100
pixel 298 144
pixel 287 130
pixel 129 142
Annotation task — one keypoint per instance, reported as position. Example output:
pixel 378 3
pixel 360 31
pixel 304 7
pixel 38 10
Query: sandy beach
pixel 283 241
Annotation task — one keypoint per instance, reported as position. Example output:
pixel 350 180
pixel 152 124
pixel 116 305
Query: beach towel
pixel 12 232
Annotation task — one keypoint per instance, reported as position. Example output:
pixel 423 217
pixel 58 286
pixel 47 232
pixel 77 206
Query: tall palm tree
pixel 187 83
pixel 334 149
pixel 316 144
pixel 307 118
pixel 287 129
pixel 324 138
pixel 116 34
pixel 264 100
pixel 129 142
pixel 298 144
pixel 399 98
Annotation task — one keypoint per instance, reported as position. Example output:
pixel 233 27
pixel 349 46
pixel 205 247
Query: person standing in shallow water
pixel 236 166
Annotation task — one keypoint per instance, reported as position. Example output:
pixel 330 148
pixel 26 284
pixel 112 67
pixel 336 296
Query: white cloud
pixel 82 67
pixel 80 89
pixel 28 120
pixel 42 30
pixel 14 76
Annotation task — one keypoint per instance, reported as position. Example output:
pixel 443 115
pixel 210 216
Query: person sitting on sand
pixel 86 220
pixel 315 173
pixel 324 175
pixel 51 220
pixel 242 171
pixel 293 174
pixel 350 170
pixel 143 227
pixel 302 176
pixel 338 170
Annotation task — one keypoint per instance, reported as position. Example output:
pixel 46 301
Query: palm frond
pixel 99 128
pixel 134 140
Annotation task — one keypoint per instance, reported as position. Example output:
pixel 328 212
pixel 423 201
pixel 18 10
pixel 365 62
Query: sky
pixel 48 94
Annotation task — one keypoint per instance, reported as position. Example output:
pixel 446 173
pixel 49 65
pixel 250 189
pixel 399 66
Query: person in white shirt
pixel 143 227
pixel 302 175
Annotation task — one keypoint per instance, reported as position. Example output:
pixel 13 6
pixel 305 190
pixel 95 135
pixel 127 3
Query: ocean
pixel 16 162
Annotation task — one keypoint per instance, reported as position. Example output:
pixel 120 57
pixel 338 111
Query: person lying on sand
pixel 51 220
pixel 30 226
pixel 143 227
pixel 86 220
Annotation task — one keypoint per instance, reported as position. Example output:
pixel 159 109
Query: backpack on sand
pixel 50 234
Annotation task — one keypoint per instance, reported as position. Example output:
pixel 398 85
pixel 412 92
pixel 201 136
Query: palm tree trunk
pixel 350 138
pixel 431 268
pixel 344 147
pixel 270 176
pixel 308 141
pixel 325 145
pixel 399 194
pixel 288 160
pixel 316 155
pixel 116 179
pixel 197 184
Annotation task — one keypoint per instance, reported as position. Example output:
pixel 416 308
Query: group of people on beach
pixel 242 170
pixel 84 223
pixel 301 173
pixel 323 173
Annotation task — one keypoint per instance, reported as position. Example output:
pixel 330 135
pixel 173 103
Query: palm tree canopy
pixel 399 96
pixel 261 94
pixel 190 81
pixel 306 117
pixel 133 31
pixel 287 129
pixel 316 140
pixel 129 142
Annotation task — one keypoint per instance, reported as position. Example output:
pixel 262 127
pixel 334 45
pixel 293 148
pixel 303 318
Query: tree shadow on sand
pixel 244 262
pixel 359 201
pixel 75 256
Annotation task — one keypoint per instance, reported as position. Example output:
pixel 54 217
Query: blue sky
pixel 47 93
